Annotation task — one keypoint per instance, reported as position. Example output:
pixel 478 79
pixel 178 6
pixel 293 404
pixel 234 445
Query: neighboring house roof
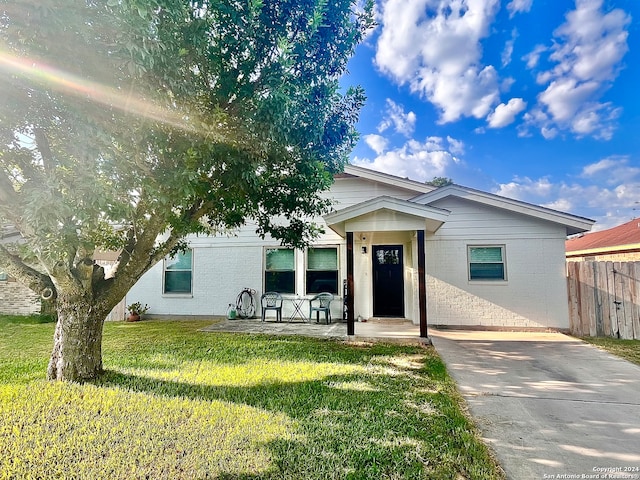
pixel 573 223
pixel 621 238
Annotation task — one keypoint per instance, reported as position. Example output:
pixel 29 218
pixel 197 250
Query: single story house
pixel 392 248
pixel 617 244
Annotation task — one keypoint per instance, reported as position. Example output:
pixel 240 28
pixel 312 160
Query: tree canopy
pixel 129 124
pixel 440 182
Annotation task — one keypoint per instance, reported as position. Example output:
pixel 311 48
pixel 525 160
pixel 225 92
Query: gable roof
pixel 573 223
pixel 622 237
pixel 432 216
pixel 406 183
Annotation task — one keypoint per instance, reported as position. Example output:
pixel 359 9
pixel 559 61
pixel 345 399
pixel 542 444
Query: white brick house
pixel 449 256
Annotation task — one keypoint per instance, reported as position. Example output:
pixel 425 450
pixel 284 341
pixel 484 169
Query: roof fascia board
pixel 578 224
pixel 388 179
pixel 389 203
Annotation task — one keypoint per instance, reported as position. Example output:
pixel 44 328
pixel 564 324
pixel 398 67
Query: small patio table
pixel 297 302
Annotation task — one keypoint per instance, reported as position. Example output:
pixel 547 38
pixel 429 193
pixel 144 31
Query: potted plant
pixel 136 310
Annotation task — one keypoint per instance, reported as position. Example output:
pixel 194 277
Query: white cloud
pixel 505 114
pixel 533 57
pixel 606 191
pixel 508 51
pixel 377 143
pixel 613 170
pixel 588 50
pixel 417 160
pixel 435 49
pixel 517 6
pixel 396 117
pixel 455 146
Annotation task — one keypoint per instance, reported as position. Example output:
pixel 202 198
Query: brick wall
pixel 607 257
pixel 16 299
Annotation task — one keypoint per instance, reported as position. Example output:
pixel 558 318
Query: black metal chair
pixel 323 301
pixel 271 301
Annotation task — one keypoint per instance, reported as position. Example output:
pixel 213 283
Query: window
pixel 3 277
pixel 487 263
pixel 322 270
pixel 279 270
pixel 178 272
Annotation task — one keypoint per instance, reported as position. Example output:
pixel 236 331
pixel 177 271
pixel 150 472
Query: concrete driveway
pixel 550 406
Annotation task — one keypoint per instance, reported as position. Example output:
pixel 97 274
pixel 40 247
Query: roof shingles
pixel 625 234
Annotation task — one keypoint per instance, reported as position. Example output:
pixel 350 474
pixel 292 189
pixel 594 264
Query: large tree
pixel 128 124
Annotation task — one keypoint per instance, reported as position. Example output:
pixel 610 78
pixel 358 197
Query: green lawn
pixel 177 403
pixel 627 349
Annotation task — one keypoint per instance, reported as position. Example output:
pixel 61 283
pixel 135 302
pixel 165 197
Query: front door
pixel 388 281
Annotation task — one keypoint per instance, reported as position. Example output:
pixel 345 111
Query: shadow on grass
pixel 350 426
pixel 239 349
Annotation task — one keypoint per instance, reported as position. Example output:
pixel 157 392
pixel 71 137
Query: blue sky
pixel 531 99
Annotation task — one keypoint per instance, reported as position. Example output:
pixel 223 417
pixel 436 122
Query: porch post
pixel 422 285
pixel 350 313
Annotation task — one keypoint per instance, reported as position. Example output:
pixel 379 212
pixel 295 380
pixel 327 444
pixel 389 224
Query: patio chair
pixel 323 301
pixel 271 301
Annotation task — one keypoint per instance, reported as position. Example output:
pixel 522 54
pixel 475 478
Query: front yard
pixel 181 404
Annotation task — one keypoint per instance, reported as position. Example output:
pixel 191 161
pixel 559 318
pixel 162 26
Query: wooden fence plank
pixel 597 298
pixel 587 294
pixel 118 312
pixel 613 307
pixel 634 271
pixel 575 321
pixel 604 298
pixel 619 301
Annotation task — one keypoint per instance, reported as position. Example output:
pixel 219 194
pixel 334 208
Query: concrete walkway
pixel 389 331
pixel 549 405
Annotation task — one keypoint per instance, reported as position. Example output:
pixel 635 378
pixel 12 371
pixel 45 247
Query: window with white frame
pixel 487 262
pixel 279 270
pixel 322 270
pixel 178 273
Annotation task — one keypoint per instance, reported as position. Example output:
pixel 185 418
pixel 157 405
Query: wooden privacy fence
pixel 604 299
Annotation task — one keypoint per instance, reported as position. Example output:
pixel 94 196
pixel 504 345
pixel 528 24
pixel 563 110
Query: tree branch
pixel 26 275
pixel 45 150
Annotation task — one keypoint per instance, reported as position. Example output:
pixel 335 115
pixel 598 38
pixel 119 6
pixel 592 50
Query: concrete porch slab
pixel 396 332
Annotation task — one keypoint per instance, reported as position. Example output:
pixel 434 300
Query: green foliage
pixel 136 308
pixel 440 182
pixel 234 406
pixel 176 110
pixel 127 121
pixel 25 319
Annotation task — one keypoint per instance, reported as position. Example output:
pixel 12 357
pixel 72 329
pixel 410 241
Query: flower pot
pixel 133 317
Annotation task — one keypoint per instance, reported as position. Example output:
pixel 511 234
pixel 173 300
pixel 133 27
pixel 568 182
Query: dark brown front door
pixel 388 281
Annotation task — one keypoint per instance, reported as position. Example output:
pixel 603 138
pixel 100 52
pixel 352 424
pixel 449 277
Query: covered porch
pixel 385 267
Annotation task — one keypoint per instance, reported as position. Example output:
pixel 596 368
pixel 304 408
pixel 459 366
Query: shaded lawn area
pixel 627 349
pixel 182 404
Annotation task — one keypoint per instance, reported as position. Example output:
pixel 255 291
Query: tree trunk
pixel 77 341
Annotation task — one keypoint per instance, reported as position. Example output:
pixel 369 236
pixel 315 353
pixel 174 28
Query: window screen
pixel 486 263
pixel 279 274
pixel 178 273
pixel 322 270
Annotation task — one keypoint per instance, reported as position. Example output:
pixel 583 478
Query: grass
pixel 627 349
pixel 177 403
